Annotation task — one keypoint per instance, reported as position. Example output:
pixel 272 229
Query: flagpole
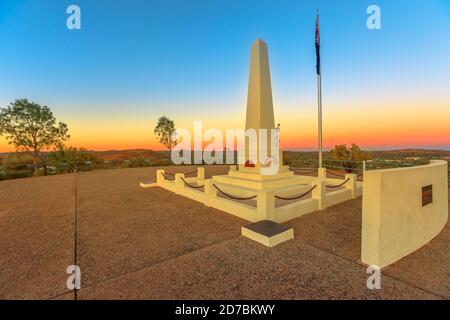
pixel 319 107
pixel 319 89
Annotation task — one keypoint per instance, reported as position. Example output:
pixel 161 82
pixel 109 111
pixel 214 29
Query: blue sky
pixel 191 57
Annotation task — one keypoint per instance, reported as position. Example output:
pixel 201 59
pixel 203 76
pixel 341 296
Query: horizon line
pixel 443 149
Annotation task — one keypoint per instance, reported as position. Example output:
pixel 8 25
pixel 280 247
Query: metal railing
pixel 350 166
pixel 334 164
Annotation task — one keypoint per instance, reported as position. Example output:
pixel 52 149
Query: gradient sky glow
pixel 134 61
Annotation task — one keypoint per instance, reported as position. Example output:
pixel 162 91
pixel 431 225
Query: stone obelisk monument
pixel 258 180
pixel 259 109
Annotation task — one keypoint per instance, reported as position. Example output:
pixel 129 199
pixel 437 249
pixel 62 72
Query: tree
pixel 164 131
pixel 357 154
pixel 32 128
pixel 340 152
pixel 353 154
pixel 67 159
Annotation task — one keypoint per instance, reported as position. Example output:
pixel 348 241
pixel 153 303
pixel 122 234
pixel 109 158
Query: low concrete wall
pixel 296 209
pixel 338 196
pixel 394 222
pixel 265 198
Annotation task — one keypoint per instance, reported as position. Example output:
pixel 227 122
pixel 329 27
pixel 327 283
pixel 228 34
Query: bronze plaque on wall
pixel 427 195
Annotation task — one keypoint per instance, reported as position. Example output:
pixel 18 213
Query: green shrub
pixel 15 174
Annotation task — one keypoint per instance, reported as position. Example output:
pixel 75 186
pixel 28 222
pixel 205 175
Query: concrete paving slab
pixel 36 236
pixel 123 227
pixel 242 269
pixel 152 244
pixel 337 230
pixel 428 267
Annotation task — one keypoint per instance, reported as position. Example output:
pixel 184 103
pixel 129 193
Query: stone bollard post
pixel 210 192
pixel 320 193
pixel 159 177
pixel 200 174
pixel 351 184
pixel 322 173
pixel 179 184
pixel 265 205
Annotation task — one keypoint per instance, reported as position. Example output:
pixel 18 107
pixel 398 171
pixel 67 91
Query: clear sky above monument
pixel 134 61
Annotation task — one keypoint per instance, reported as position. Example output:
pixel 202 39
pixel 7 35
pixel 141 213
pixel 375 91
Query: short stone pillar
pixel 159 177
pixel 320 193
pixel 210 192
pixel 265 205
pixel 268 233
pixel 322 173
pixel 351 184
pixel 200 174
pixel 179 183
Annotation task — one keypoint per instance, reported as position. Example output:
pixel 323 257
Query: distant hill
pixel 394 152
pixel 114 155
pixel 120 155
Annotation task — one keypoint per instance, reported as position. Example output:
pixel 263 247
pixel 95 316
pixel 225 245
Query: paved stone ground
pixel 36 236
pixel 152 244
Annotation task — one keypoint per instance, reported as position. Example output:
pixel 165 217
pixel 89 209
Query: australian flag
pixel 317 45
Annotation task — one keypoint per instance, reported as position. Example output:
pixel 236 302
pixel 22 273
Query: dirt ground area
pixel 135 243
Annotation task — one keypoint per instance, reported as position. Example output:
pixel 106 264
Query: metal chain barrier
pixel 338 185
pixel 234 197
pixel 192 172
pixel 165 177
pixel 186 174
pixel 172 174
pixel 359 177
pixel 296 197
pixel 335 174
pixel 190 185
pixel 298 171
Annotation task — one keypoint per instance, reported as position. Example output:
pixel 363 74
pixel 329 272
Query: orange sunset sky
pixel 110 82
